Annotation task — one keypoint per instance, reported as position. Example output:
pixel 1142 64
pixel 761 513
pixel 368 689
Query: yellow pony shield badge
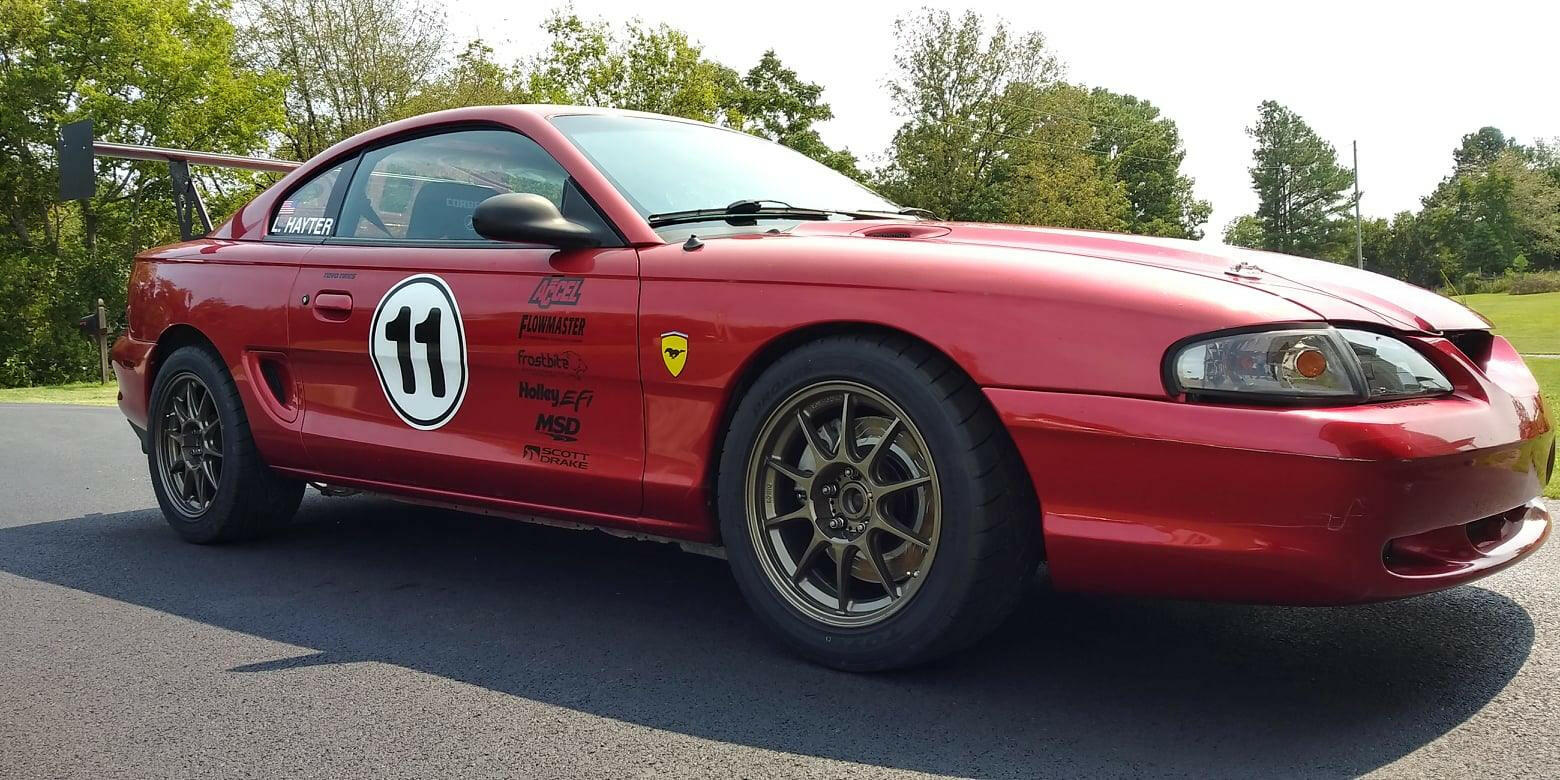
pixel 674 351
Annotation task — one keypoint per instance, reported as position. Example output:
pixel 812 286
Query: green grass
pixel 1530 322
pixel 84 393
pixel 1548 372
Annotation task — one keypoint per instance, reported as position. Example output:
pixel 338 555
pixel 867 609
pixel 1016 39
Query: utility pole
pixel 1359 240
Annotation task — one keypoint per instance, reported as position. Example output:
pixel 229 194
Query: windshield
pixel 663 166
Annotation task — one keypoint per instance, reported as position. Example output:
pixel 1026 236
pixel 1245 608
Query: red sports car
pixel 885 422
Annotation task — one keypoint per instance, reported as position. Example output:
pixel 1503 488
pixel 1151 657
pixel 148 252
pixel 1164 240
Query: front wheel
pixel 872 506
pixel 209 479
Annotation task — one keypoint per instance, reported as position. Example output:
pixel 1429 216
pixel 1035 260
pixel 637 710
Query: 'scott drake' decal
pixel 418 345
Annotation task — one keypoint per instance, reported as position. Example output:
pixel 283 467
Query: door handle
pixel 337 303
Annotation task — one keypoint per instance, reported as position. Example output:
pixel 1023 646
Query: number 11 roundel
pixel 418 346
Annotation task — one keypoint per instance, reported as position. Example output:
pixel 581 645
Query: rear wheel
pixel 209 479
pixel 872 506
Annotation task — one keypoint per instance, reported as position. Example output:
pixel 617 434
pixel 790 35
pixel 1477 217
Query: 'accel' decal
pixel 417 342
pixel 557 291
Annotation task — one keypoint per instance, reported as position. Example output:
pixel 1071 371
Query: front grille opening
pixel 1490 532
pixel 1452 548
pixel 1476 344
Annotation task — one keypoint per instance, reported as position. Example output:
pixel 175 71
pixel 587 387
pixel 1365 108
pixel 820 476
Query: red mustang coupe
pixel 887 422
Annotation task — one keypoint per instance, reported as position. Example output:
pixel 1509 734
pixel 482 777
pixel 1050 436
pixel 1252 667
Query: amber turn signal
pixel 1311 363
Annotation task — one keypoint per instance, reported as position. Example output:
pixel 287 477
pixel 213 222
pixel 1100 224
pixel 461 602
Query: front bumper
pixel 1285 506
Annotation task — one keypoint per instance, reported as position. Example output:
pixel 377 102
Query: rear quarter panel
pixel 234 293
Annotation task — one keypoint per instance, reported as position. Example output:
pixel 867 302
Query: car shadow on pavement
pixel 647 634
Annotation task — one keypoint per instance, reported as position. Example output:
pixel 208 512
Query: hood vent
pixel 907 230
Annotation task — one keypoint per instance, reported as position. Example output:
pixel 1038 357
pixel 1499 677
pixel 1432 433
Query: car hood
pixel 1334 292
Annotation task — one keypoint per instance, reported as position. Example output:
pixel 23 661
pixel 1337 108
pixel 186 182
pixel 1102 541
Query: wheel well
pixel 172 339
pixel 771 352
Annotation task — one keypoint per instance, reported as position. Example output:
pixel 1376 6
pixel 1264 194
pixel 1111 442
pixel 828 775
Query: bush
pixel 1509 282
pixel 1541 282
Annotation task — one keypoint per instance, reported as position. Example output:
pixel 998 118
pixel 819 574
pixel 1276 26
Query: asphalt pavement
pixel 377 639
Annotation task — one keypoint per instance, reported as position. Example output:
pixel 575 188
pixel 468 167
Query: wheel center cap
pixel 854 500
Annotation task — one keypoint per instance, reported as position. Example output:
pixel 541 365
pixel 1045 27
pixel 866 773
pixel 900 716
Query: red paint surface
pixel 1140 492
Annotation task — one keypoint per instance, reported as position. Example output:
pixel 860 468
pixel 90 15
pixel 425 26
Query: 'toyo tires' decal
pixel 418 346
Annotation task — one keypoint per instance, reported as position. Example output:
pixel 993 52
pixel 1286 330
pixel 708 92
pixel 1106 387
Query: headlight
pixel 1303 364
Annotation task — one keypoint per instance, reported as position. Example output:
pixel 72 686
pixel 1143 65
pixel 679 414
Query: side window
pixel 425 189
pixel 303 212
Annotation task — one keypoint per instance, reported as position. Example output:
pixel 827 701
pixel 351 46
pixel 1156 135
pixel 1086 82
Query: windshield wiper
pixel 909 211
pixel 745 212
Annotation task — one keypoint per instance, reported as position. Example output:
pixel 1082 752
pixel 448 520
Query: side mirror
pixel 527 218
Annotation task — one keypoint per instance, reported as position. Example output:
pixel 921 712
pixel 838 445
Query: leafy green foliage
pixel 640 67
pixel 1144 153
pixel 476 79
pixel 162 72
pixel 350 63
pixel 1494 209
pixel 961 90
pixel 1300 186
pixel 991 133
pixel 659 69
pixel 1491 221
pixel 1244 231
pixel 774 103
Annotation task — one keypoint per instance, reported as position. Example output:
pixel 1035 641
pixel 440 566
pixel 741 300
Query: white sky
pixel 1407 79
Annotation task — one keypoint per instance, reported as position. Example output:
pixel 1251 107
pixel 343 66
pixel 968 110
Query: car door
pixel 432 359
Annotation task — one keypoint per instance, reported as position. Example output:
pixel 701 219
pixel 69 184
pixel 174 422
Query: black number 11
pixel 400 331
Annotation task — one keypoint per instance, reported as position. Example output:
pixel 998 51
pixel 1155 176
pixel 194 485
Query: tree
pixel 1055 179
pixel 775 103
pixel 1409 253
pixel 1244 230
pixel 991 133
pixel 659 69
pixel 476 79
pixel 643 68
pixel 1480 148
pixel 1485 215
pixel 1300 186
pixel 1144 153
pixel 161 72
pixel 953 154
pixel 352 63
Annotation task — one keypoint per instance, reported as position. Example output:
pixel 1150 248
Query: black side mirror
pixel 527 218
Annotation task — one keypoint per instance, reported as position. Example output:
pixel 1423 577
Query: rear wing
pixel 78 177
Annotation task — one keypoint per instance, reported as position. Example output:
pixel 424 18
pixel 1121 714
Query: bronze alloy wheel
pixel 844 507
pixel 189 454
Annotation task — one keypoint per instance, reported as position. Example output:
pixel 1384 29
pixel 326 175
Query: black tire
pixel 249 500
pixel 989 531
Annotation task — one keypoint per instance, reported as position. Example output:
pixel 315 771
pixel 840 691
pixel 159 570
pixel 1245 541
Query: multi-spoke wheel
pixel 208 477
pixel 189 462
pixel 873 510
pixel 844 503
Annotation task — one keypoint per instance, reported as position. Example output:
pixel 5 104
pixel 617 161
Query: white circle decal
pixel 418 346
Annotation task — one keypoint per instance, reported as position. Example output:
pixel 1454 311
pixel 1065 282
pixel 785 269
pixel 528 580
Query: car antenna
pixel 692 243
